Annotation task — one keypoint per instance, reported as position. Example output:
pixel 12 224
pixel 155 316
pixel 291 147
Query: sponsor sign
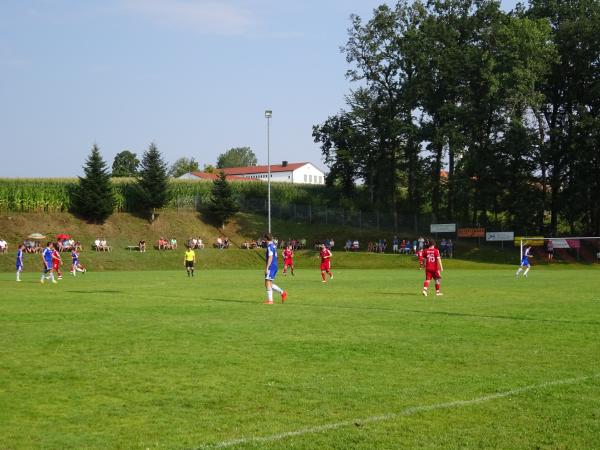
pixel 534 241
pixel 443 227
pixel 566 243
pixel 470 232
pixel 560 243
pixel 500 236
pixel 574 243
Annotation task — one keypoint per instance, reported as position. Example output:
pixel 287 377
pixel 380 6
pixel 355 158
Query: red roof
pixel 263 169
pixel 214 176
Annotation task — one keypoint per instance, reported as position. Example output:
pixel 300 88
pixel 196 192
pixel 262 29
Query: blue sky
pixel 193 76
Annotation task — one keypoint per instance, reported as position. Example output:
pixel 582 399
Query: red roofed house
pixel 285 172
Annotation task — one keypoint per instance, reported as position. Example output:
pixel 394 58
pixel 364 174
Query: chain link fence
pixel 319 214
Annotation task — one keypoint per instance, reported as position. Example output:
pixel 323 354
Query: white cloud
pixel 207 17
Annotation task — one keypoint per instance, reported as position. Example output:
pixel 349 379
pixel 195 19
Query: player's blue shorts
pixel 19 266
pixel 75 262
pixel 272 273
pixel 525 261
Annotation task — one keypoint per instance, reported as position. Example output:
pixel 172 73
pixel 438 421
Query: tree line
pixel 94 197
pixel 126 163
pixel 473 114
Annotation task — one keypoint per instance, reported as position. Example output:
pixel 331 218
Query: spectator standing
pixel 395 244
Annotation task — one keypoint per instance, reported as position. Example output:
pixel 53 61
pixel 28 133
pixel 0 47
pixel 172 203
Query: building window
pixel 305 176
pixel 310 178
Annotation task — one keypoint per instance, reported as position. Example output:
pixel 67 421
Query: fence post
pixel 310 213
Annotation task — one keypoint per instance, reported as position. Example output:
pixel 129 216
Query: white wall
pixel 309 174
pixel 280 177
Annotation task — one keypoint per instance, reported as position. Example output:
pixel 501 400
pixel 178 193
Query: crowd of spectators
pixel 446 247
pixel 352 245
pixel 66 245
pixel 100 245
pixel 3 246
pixel 195 243
pixel 222 243
pixel 166 244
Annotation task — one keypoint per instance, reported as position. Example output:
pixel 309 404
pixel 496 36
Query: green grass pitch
pixel 157 360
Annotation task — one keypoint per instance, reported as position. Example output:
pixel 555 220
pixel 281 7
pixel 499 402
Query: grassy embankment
pixel 123 229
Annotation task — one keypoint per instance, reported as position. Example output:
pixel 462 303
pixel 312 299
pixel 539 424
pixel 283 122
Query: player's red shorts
pixel 325 266
pixel 435 274
pixel 55 265
pixel 288 262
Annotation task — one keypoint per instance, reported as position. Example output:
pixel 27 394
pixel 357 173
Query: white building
pixel 285 172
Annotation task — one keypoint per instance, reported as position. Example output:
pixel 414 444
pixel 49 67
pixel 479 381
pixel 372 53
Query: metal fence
pixel 319 214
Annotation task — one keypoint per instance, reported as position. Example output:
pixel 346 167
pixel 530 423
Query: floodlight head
pixel 268 113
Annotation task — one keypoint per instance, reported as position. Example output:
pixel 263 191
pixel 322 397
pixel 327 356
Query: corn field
pixel 35 195
pixel 54 195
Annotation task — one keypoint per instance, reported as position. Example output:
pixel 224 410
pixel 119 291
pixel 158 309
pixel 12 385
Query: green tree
pixel 183 166
pixel 125 164
pixel 237 157
pixel 222 205
pixel 152 181
pixel 94 198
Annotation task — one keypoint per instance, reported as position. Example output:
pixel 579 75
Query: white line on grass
pixel 385 417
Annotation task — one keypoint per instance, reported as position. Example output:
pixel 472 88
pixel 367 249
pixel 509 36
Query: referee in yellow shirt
pixel 188 261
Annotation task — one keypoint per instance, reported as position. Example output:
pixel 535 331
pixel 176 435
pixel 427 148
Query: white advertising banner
pixel 500 236
pixel 443 228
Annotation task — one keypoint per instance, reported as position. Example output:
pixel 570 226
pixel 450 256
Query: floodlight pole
pixel 268 115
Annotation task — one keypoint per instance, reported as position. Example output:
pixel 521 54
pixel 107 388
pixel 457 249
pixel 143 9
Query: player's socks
pixel 269 296
pixel 330 276
pixel 425 291
pixel 192 273
pixel 276 289
pixel 519 272
pixel 323 276
pixel 283 296
pixel 526 270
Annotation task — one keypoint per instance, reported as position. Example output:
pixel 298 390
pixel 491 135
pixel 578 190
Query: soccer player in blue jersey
pixel 75 266
pixel 47 261
pixel 271 271
pixel 525 262
pixel 19 261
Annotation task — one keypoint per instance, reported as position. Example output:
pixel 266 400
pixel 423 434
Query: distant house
pixel 285 172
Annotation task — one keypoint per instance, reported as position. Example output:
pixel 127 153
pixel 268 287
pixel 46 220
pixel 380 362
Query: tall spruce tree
pixel 222 205
pixel 153 186
pixel 94 198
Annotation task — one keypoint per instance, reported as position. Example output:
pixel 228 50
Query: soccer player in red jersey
pixel 421 255
pixel 325 255
pixel 288 260
pixel 433 267
pixel 56 262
